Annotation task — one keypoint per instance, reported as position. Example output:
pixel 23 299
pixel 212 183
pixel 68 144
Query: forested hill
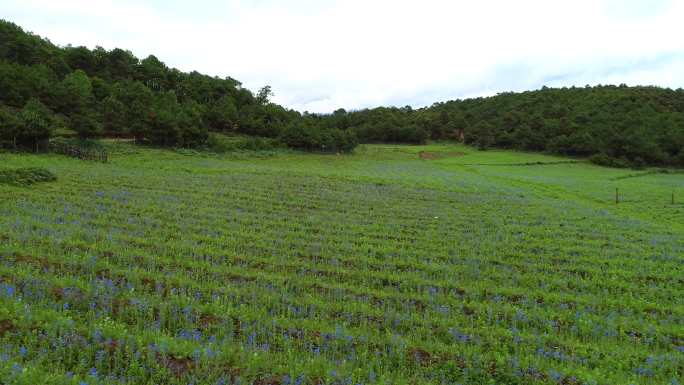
pixel 617 125
pixel 112 93
pixel 98 92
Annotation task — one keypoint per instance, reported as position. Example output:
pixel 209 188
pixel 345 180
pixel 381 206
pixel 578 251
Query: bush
pixel 679 160
pixel 607 161
pixel 307 135
pixel 221 143
pixel 26 176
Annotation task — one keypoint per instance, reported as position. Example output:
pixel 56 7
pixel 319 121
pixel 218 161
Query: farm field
pixel 435 264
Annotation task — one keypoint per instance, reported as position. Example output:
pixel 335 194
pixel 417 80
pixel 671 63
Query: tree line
pixel 112 93
pixel 613 125
pixel 96 93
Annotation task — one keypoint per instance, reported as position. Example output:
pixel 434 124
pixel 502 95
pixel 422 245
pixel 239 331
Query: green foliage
pixel 381 125
pixel 642 125
pixel 175 124
pixel 137 102
pixel 221 144
pixel 100 92
pixel 36 123
pixel 264 95
pixel 307 134
pixel 605 160
pixel 222 115
pixel 26 176
pixel 10 127
pixel 113 93
pixel 113 116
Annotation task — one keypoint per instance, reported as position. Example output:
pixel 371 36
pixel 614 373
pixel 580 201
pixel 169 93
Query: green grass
pixel 25 176
pixel 373 268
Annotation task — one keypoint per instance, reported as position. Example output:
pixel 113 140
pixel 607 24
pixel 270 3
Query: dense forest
pixel 97 93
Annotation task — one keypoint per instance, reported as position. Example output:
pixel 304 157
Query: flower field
pixel 382 267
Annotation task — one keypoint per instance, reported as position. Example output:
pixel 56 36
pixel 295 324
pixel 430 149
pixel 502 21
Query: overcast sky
pixel 320 55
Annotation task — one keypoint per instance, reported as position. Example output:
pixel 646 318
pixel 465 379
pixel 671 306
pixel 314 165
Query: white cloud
pixel 322 55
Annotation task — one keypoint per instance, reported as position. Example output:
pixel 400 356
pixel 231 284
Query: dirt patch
pixel 179 366
pixel 6 326
pixel 422 357
pixel 427 155
pixel 271 380
pixel 208 320
pixel 439 155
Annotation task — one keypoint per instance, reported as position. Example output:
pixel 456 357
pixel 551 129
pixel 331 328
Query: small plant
pixel 26 176
pixel 607 161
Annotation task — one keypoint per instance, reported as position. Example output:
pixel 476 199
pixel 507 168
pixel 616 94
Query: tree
pixel 121 64
pixel 36 124
pixel 153 73
pixel 82 115
pixel 113 116
pixel 78 88
pixel 484 132
pixel 193 130
pixel 163 128
pixel 81 58
pixel 10 127
pixel 264 95
pixel 137 100
pixel 222 115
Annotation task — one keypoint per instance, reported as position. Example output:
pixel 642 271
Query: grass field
pixel 375 268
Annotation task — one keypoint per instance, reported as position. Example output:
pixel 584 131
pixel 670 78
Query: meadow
pixel 435 264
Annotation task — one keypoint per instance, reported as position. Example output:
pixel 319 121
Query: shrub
pixel 26 176
pixel 607 161
pixel 221 143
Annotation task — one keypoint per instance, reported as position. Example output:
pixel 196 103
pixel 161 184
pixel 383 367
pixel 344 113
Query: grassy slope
pixel 377 262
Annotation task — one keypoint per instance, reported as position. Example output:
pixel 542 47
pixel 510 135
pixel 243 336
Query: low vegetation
pixel 26 176
pixel 382 267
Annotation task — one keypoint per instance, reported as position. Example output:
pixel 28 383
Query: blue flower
pixel 92 372
pixel 23 351
pixel 648 372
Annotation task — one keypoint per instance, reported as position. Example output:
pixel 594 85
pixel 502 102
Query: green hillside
pixel 46 89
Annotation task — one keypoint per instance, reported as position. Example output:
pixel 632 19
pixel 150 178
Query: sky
pixel 321 55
